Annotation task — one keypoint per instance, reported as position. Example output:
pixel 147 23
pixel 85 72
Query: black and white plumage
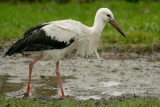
pixel 37 39
pixel 59 38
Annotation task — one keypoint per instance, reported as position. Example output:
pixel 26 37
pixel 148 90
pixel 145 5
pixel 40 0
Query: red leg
pixel 31 64
pixel 59 79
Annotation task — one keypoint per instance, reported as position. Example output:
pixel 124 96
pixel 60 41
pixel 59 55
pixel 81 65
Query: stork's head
pixel 107 16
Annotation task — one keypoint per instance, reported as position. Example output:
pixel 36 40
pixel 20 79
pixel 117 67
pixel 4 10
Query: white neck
pixel 98 25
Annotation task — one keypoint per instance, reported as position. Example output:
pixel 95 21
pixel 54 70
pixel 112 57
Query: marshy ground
pixel 113 75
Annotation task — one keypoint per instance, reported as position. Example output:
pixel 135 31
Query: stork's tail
pixel 17 47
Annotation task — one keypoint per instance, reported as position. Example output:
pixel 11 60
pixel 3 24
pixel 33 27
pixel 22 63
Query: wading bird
pixel 59 38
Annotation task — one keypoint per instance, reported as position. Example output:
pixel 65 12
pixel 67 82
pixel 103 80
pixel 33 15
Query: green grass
pixel 140 21
pixel 137 102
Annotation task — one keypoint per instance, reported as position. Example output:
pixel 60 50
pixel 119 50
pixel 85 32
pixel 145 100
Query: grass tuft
pixel 134 102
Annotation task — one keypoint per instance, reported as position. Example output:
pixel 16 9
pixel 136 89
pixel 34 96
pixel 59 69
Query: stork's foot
pixel 25 95
pixel 63 98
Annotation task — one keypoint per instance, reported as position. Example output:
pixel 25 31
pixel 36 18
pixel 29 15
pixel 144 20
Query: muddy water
pixel 113 75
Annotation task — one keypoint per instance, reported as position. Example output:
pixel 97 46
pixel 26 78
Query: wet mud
pixel 111 76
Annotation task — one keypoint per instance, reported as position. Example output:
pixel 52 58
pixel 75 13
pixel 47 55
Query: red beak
pixel 115 25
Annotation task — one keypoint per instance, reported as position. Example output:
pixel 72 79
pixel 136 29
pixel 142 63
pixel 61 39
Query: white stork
pixel 59 38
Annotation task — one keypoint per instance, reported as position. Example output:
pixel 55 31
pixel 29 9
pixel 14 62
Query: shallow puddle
pixel 45 86
pixel 109 83
pixel 96 97
pixel 7 86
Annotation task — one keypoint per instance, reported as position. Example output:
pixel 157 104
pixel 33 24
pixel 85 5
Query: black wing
pixel 35 28
pixel 35 39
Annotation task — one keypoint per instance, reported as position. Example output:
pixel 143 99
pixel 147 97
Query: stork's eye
pixel 109 15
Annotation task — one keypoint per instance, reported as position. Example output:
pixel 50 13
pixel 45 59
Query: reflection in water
pixel 96 97
pixel 6 86
pixel 109 84
pixel 45 86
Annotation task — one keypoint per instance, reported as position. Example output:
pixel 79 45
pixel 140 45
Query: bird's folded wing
pixel 43 37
